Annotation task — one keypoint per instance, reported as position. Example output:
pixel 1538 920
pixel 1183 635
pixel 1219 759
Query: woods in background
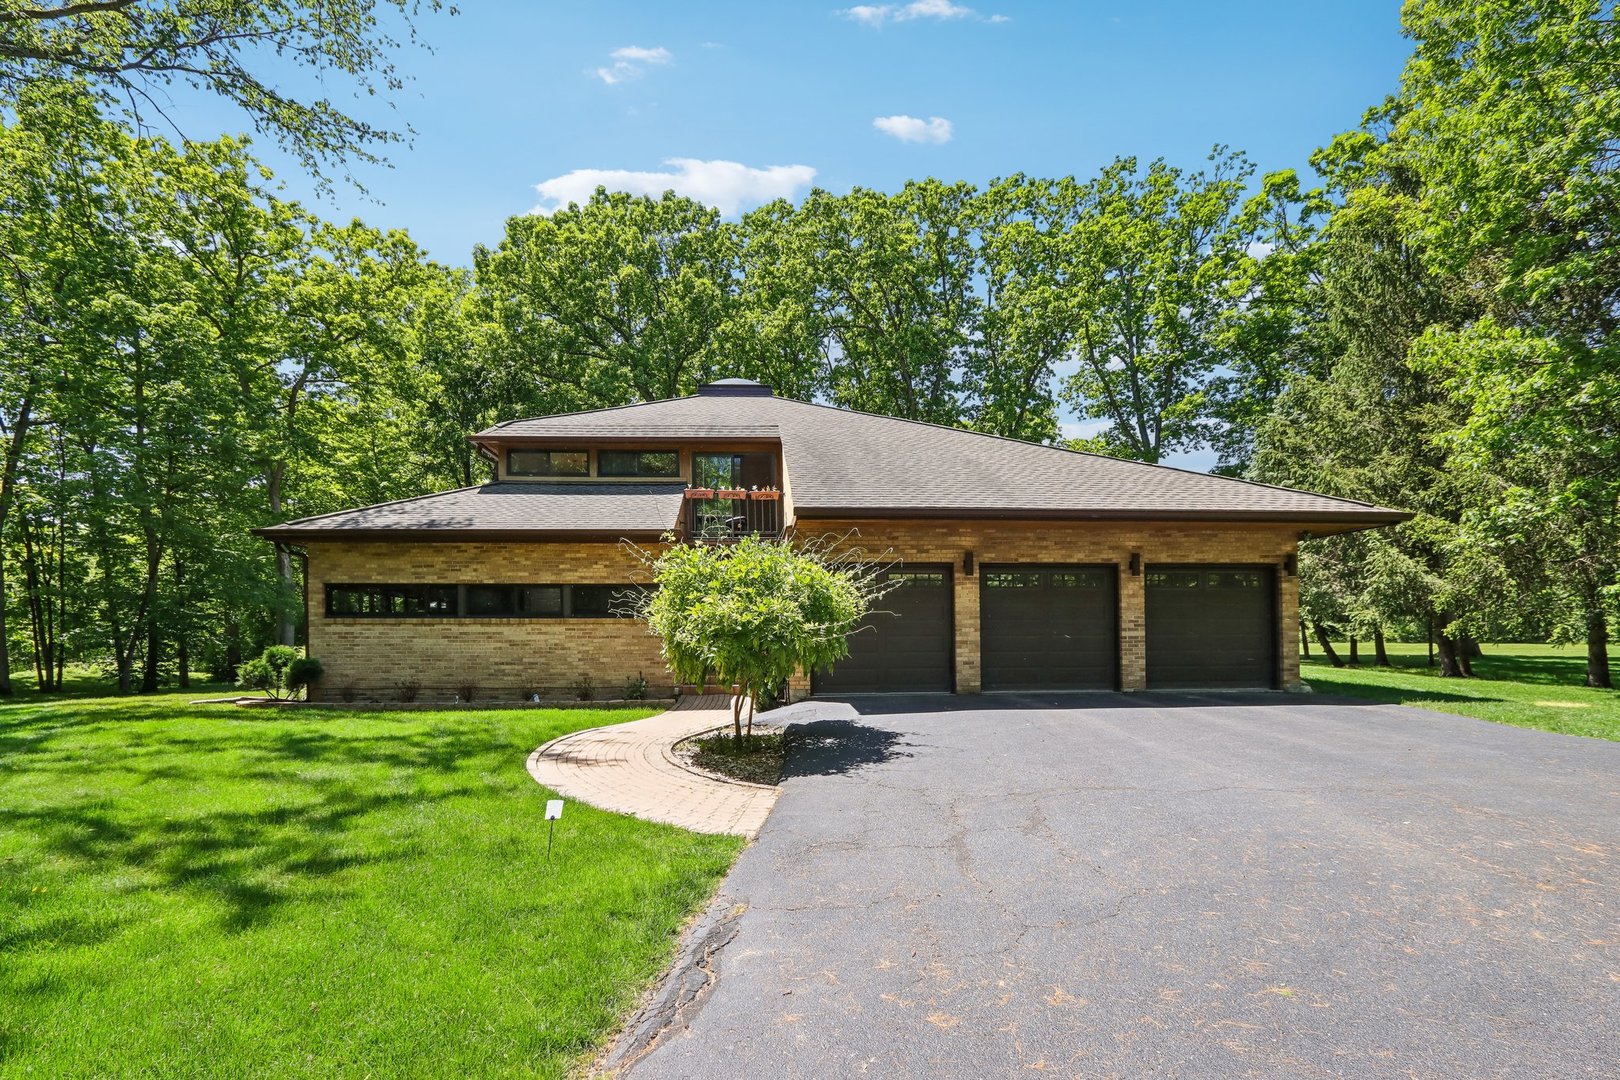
pixel 184 355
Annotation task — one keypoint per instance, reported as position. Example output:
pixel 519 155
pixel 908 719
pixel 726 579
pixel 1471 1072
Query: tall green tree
pixel 619 300
pixel 185 357
pixel 893 280
pixel 1159 263
pixel 132 50
pixel 1509 113
pixel 1368 424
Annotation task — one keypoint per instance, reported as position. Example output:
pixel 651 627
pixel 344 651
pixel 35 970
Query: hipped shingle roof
pixel 839 464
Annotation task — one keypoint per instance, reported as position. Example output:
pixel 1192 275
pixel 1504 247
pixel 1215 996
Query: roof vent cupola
pixel 734 388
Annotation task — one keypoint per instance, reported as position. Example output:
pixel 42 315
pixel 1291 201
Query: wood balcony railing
pixel 719 516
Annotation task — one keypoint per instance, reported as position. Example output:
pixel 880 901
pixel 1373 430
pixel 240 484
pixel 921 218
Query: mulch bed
pixel 758 760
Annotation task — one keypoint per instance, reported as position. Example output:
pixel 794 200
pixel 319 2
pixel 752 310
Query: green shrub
pixel 636 689
pixel 272 672
pixel 303 673
pixel 755 612
pixel 585 688
pixel 255 675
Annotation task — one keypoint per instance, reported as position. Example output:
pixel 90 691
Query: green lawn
pixel 1535 686
pixel 215 891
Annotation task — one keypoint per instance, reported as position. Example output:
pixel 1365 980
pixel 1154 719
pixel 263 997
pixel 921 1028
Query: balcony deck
pixel 721 517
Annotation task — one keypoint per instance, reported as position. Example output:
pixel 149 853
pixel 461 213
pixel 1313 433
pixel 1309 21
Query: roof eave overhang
pixel 1363 518
pixel 309 536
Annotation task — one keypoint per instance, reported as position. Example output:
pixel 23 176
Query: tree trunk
pixel 5 645
pixel 1323 640
pixel 1304 641
pixel 1355 657
pixel 154 631
pixel 736 713
pixel 1380 654
pixel 1431 642
pixel 1452 662
pixel 1597 651
pixel 1470 647
pixel 182 630
pixel 8 491
pixel 154 653
pixel 286 630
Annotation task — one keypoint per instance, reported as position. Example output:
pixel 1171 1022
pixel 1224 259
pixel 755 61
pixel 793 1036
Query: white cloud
pixel 932 9
pixel 632 61
pixel 943 10
pixel 870 14
pixel 728 186
pixel 935 129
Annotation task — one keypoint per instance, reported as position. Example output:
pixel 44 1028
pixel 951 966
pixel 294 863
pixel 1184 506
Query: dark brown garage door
pixel 1049 627
pixel 904 646
pixel 1211 627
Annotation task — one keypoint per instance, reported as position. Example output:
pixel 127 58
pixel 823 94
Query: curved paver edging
pixel 719 778
pixel 626 768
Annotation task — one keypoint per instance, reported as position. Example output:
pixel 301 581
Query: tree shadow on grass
pixel 294 813
pixel 1491 666
pixel 1331 693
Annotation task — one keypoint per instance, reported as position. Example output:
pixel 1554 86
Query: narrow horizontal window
pixel 605 601
pixel 1004 579
pixel 654 463
pixel 484 601
pixel 548 463
pixel 540 601
pixel 529 601
pixel 391 601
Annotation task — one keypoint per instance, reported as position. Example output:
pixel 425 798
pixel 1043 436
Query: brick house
pixel 1019 566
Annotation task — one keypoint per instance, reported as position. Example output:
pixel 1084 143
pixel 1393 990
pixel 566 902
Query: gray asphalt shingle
pixel 839 463
pixel 510 508
pixel 838 460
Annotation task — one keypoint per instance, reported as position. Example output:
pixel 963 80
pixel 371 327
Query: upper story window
pixel 652 463
pixel 548 463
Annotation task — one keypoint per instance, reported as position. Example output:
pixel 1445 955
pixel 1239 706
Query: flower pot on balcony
pixel 700 493
pixel 771 495
pixel 731 493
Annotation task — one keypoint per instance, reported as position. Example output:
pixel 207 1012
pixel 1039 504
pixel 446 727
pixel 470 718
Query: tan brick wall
pixel 504 656
pixel 1071 542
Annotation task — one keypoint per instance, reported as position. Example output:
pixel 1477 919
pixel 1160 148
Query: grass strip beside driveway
pixel 227 892
pixel 1534 686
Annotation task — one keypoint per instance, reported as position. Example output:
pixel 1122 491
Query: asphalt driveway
pixel 1171 887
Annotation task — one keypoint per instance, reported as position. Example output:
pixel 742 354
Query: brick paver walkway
pixel 628 768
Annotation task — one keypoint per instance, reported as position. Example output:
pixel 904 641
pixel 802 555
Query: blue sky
pixel 520 105
pixel 514 95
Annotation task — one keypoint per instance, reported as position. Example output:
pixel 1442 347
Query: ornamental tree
pixel 755 612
